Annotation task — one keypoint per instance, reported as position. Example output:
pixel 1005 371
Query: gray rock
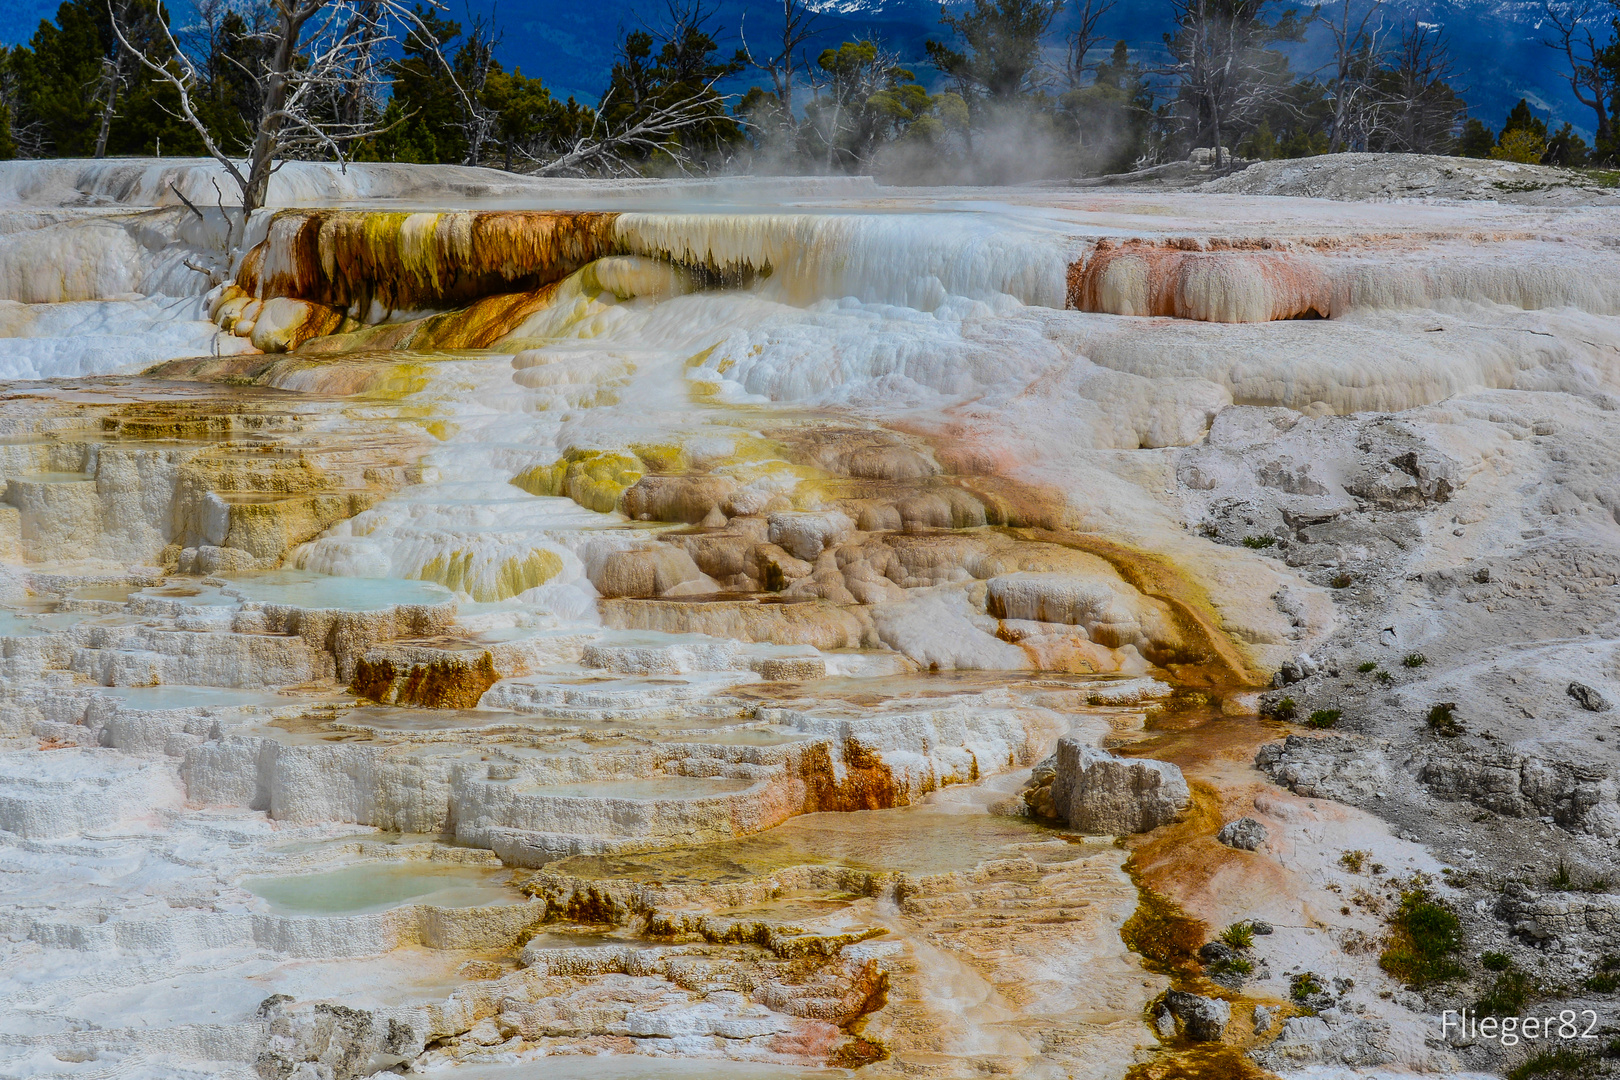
pixel 1577 795
pixel 1096 792
pixel 1260 928
pixel 1202 1018
pixel 1588 697
pixel 1165 1023
pixel 1545 917
pixel 1245 833
pixel 1214 952
pixel 1292 671
pixel 1335 767
pixel 1263 1019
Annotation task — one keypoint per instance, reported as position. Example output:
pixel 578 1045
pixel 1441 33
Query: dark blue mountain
pixel 570 43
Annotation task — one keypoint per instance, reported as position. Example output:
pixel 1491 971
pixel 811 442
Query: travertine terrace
pixel 483 620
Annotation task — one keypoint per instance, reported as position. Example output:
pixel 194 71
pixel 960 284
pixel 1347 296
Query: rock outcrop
pixel 1096 792
pixel 1544 916
pixel 1334 767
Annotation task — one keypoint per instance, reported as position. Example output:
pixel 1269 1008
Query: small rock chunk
pixel 1588 698
pixel 1245 834
pixel 1164 1023
pixel 1203 1019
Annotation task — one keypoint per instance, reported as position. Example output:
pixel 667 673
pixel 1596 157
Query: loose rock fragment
pixel 1244 833
pixel 1203 1019
pixel 1588 698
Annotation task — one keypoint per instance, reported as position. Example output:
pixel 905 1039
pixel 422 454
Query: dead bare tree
pixel 470 73
pixel 314 51
pixel 1356 56
pixel 1082 39
pixel 1219 58
pixel 1418 109
pixel 1594 63
pixel 118 67
pixel 798 26
pixel 357 92
pixel 602 150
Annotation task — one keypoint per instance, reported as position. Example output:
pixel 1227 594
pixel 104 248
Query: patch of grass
pixel 1413 660
pixel 1561 878
pixel 1323 718
pixel 1561 1063
pixel 1343 581
pixel 1240 936
pixel 1303 985
pixel 1425 938
pixel 1442 721
pixel 1370 665
pixel 1285 708
pixel 1384 678
pixel 1354 860
pixel 1238 965
pixel 1258 543
pixel 1495 961
pixel 1507 995
pixel 1604 982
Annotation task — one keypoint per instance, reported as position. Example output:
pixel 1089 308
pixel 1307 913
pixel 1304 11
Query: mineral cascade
pixel 799 628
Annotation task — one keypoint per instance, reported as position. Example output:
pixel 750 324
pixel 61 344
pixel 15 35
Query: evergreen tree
pixel 73 76
pixel 683 70
pixel 1567 148
pixel 1521 118
pixel 1476 140
pixel 424 115
pixel 1110 119
pixel 1002 39
pixel 1523 138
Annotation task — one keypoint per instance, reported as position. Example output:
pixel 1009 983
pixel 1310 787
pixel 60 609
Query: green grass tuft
pixel 1259 542
pixel 1442 721
pixel 1507 995
pixel 1561 1063
pixel 1561 878
pixel 1323 718
pixel 1425 937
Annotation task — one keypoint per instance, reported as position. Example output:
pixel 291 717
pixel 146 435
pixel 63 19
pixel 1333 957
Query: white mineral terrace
pixel 625 641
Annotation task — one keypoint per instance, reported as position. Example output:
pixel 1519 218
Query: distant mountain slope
pixel 570 43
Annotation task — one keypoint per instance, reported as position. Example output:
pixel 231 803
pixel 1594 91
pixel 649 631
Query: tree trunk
pixel 263 154
pixel 108 105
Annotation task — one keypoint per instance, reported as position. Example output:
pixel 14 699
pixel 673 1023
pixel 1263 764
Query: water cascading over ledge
pixel 1251 281
pixel 346 269
pixel 320 272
